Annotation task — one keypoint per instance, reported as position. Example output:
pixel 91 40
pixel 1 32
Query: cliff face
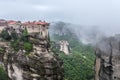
pixel 64 47
pixel 29 56
pixel 40 64
pixel 107 64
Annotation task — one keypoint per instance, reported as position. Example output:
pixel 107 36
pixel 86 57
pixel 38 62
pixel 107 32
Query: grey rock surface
pixel 107 63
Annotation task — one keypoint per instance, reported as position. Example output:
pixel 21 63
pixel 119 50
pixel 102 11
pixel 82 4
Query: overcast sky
pixel 102 13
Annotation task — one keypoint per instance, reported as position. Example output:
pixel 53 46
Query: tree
pixel 25 35
pixel 15 44
pixel 14 35
pixel 25 32
pixel 5 35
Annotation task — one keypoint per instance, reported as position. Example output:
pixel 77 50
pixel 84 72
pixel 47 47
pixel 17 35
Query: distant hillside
pixel 79 64
pixel 89 35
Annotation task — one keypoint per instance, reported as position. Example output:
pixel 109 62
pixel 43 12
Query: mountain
pixel 78 65
pixel 85 34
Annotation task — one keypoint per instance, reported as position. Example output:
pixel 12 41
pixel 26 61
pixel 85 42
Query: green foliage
pixel 28 46
pixel 24 35
pixel 5 35
pixel 3 75
pixel 21 42
pixel 77 67
pixel 1 50
pixel 25 32
pixel 14 35
pixel 15 44
pixel 79 64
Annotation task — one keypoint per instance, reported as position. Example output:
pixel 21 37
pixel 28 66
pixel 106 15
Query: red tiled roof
pixel 11 22
pixel 41 23
pixel 27 23
pixel 35 23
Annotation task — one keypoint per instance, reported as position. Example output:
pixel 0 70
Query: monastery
pixel 40 27
pixel 32 26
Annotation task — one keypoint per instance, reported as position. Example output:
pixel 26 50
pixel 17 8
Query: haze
pixel 104 14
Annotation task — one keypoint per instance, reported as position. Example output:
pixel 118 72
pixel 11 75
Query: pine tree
pixel 25 35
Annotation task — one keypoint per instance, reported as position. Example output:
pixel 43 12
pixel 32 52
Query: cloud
pixel 102 13
pixel 39 7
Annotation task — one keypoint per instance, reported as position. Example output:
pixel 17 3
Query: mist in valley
pixel 85 34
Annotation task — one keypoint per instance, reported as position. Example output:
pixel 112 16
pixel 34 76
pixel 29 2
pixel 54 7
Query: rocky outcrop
pixel 64 47
pixel 107 63
pixel 40 64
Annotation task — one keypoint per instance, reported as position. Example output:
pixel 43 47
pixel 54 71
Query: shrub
pixel 15 45
pixel 3 75
pixel 1 50
pixel 24 35
pixel 27 46
pixel 5 35
pixel 14 35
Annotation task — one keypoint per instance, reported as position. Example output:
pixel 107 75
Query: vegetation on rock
pixel 21 42
pixel 28 46
pixel 3 75
pixel 5 35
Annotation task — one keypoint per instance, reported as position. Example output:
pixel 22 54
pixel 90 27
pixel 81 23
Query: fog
pixel 103 14
pixel 85 34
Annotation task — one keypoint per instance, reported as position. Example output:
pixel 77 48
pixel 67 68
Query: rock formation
pixel 107 63
pixel 39 64
pixel 64 46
